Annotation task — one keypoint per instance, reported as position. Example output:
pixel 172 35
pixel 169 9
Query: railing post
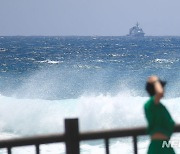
pixel 72 136
pixel 9 150
pixel 107 145
pixel 135 144
pixel 37 149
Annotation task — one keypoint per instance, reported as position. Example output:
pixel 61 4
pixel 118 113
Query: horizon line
pixel 87 36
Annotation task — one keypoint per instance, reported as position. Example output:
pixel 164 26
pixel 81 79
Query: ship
pixel 136 31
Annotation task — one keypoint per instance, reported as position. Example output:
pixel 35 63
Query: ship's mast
pixel 137 24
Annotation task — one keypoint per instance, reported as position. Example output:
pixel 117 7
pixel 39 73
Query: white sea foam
pixel 3 49
pixel 33 116
pixel 50 61
pixel 166 60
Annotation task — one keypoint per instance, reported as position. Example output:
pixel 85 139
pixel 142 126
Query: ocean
pixel 100 80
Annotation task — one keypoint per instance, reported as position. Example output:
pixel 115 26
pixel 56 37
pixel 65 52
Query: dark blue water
pixel 67 67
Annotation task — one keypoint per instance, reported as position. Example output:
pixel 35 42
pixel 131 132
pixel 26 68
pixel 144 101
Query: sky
pixel 89 17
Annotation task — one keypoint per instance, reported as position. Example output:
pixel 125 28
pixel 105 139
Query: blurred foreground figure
pixel 160 123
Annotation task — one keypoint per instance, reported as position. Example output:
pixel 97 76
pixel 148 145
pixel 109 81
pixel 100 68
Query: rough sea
pixel 100 80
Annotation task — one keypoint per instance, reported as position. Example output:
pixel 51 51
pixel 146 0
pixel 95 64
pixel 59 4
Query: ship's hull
pixel 136 35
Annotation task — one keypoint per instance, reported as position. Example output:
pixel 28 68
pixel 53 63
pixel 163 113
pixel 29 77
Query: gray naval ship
pixel 136 31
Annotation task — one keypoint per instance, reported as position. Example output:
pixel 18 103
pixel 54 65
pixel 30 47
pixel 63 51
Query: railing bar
pixel 106 135
pixel 9 150
pixel 107 145
pixel 37 149
pixel 25 141
pixel 135 144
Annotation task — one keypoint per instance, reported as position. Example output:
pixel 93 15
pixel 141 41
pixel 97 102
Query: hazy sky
pixel 88 17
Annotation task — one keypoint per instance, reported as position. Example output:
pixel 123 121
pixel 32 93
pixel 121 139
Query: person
pixel 160 122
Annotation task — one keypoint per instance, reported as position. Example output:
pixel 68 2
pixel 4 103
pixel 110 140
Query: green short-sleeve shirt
pixel 158 118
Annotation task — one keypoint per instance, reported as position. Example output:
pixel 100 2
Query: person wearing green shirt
pixel 160 122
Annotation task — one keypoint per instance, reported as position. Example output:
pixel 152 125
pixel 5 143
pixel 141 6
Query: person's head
pixel 150 84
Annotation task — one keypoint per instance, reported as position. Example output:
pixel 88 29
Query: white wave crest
pixel 36 116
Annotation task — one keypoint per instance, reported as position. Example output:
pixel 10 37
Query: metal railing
pixel 72 137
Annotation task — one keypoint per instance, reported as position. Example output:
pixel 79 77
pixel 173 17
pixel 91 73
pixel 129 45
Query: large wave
pixel 38 116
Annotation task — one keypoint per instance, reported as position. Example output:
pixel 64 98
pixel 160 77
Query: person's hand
pixel 153 79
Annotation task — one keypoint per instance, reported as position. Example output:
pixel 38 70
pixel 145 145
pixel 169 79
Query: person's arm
pixel 159 91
